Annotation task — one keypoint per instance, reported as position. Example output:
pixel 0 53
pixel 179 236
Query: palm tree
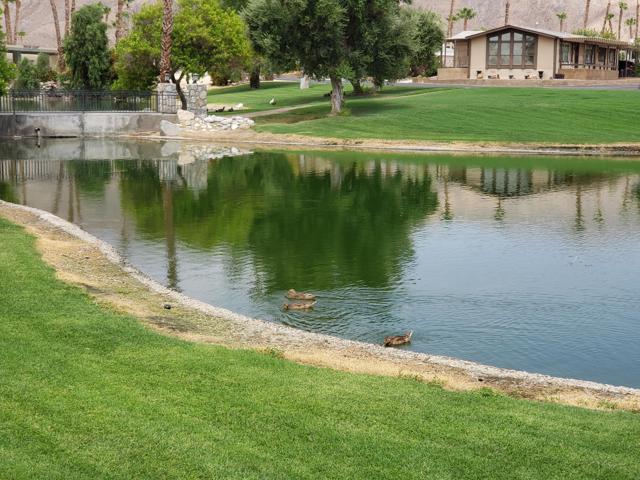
pixel 623 6
pixel 507 12
pixel 637 17
pixel 450 18
pixel 16 20
pixel 562 16
pixel 7 21
pixel 606 18
pixel 165 43
pixel 630 23
pixel 120 20
pixel 466 14
pixel 56 24
pixel 587 8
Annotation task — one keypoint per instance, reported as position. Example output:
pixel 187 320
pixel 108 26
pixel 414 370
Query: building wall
pixel 546 56
pixel 478 57
pixel 588 74
pixel 453 73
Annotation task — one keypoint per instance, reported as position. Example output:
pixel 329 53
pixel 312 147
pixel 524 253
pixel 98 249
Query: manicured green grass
pixel 287 94
pixel 86 393
pixel 527 115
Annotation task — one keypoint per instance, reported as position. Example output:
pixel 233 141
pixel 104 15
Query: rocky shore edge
pixel 95 266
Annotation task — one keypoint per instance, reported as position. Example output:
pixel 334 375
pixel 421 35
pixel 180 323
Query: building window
pixel 613 58
pixel 602 55
pixel 589 54
pixel 566 53
pixel 512 49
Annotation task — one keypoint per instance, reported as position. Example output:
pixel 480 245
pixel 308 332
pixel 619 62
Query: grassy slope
pixel 472 115
pixel 86 393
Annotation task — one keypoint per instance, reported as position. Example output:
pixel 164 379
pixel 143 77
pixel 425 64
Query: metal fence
pixel 84 101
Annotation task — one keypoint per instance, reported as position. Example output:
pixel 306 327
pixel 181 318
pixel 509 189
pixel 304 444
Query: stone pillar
pixel 168 100
pixel 197 99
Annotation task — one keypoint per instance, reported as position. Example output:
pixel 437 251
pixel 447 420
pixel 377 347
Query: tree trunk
pixel 606 18
pixel 7 21
pixel 561 25
pixel 620 24
pixel 507 12
pixel 357 86
pixel 587 8
pixel 637 17
pixel 67 17
pixel 120 20
pixel 165 44
pixel 337 95
pixel 450 26
pixel 178 81
pixel 16 21
pixel 254 77
pixel 466 24
pixel 56 24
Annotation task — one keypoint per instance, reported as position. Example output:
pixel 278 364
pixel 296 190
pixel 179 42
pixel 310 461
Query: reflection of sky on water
pixel 531 268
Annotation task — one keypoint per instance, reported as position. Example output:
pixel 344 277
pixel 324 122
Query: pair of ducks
pixel 309 300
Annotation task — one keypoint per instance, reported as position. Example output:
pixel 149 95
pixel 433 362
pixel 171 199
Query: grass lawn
pixel 87 393
pixel 537 115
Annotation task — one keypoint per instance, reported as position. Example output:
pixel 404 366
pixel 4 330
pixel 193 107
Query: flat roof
pixel 569 37
pixel 30 49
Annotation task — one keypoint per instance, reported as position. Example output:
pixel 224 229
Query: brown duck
pixel 293 295
pixel 298 306
pixel 397 340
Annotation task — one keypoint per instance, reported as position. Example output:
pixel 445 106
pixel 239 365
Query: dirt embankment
pixel 266 139
pixel 85 261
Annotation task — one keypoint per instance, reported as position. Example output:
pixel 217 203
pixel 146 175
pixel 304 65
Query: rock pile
pixel 217 123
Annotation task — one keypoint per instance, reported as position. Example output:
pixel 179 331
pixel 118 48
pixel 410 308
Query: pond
pixel 530 263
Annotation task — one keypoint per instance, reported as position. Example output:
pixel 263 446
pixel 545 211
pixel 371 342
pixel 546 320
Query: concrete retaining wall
pixel 80 124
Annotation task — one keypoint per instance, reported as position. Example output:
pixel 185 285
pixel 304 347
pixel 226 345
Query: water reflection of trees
pixel 322 228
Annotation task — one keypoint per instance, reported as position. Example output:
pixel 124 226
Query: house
pixel 512 52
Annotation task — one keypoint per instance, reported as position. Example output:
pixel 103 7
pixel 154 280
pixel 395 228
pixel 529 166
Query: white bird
pixel 272 101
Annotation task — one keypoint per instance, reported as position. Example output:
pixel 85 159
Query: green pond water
pixel 530 263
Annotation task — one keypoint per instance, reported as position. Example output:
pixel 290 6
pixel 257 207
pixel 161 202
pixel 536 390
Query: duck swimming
pixel 298 306
pixel 293 295
pixel 397 340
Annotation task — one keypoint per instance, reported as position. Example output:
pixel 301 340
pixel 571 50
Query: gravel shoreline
pixel 96 266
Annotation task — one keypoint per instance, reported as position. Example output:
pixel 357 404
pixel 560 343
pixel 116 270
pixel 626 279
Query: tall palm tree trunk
pixel 507 12
pixel 587 9
pixel 620 22
pixel 165 43
pixel 16 20
pixel 606 18
pixel 466 24
pixel 637 17
pixel 56 24
pixel 450 26
pixel 120 20
pixel 67 17
pixel 7 21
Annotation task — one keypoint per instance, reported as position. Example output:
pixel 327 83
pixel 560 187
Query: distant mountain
pixel 37 21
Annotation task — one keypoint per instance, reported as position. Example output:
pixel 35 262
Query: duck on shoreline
pixel 293 295
pixel 397 340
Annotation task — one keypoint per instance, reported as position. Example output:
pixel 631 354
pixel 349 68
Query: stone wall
pixel 197 99
pixel 168 100
pixel 81 124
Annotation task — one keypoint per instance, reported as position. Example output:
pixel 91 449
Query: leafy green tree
pixel 331 38
pixel 86 49
pixel 428 41
pixel 43 69
pixel 7 70
pixel 206 38
pixel 27 76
